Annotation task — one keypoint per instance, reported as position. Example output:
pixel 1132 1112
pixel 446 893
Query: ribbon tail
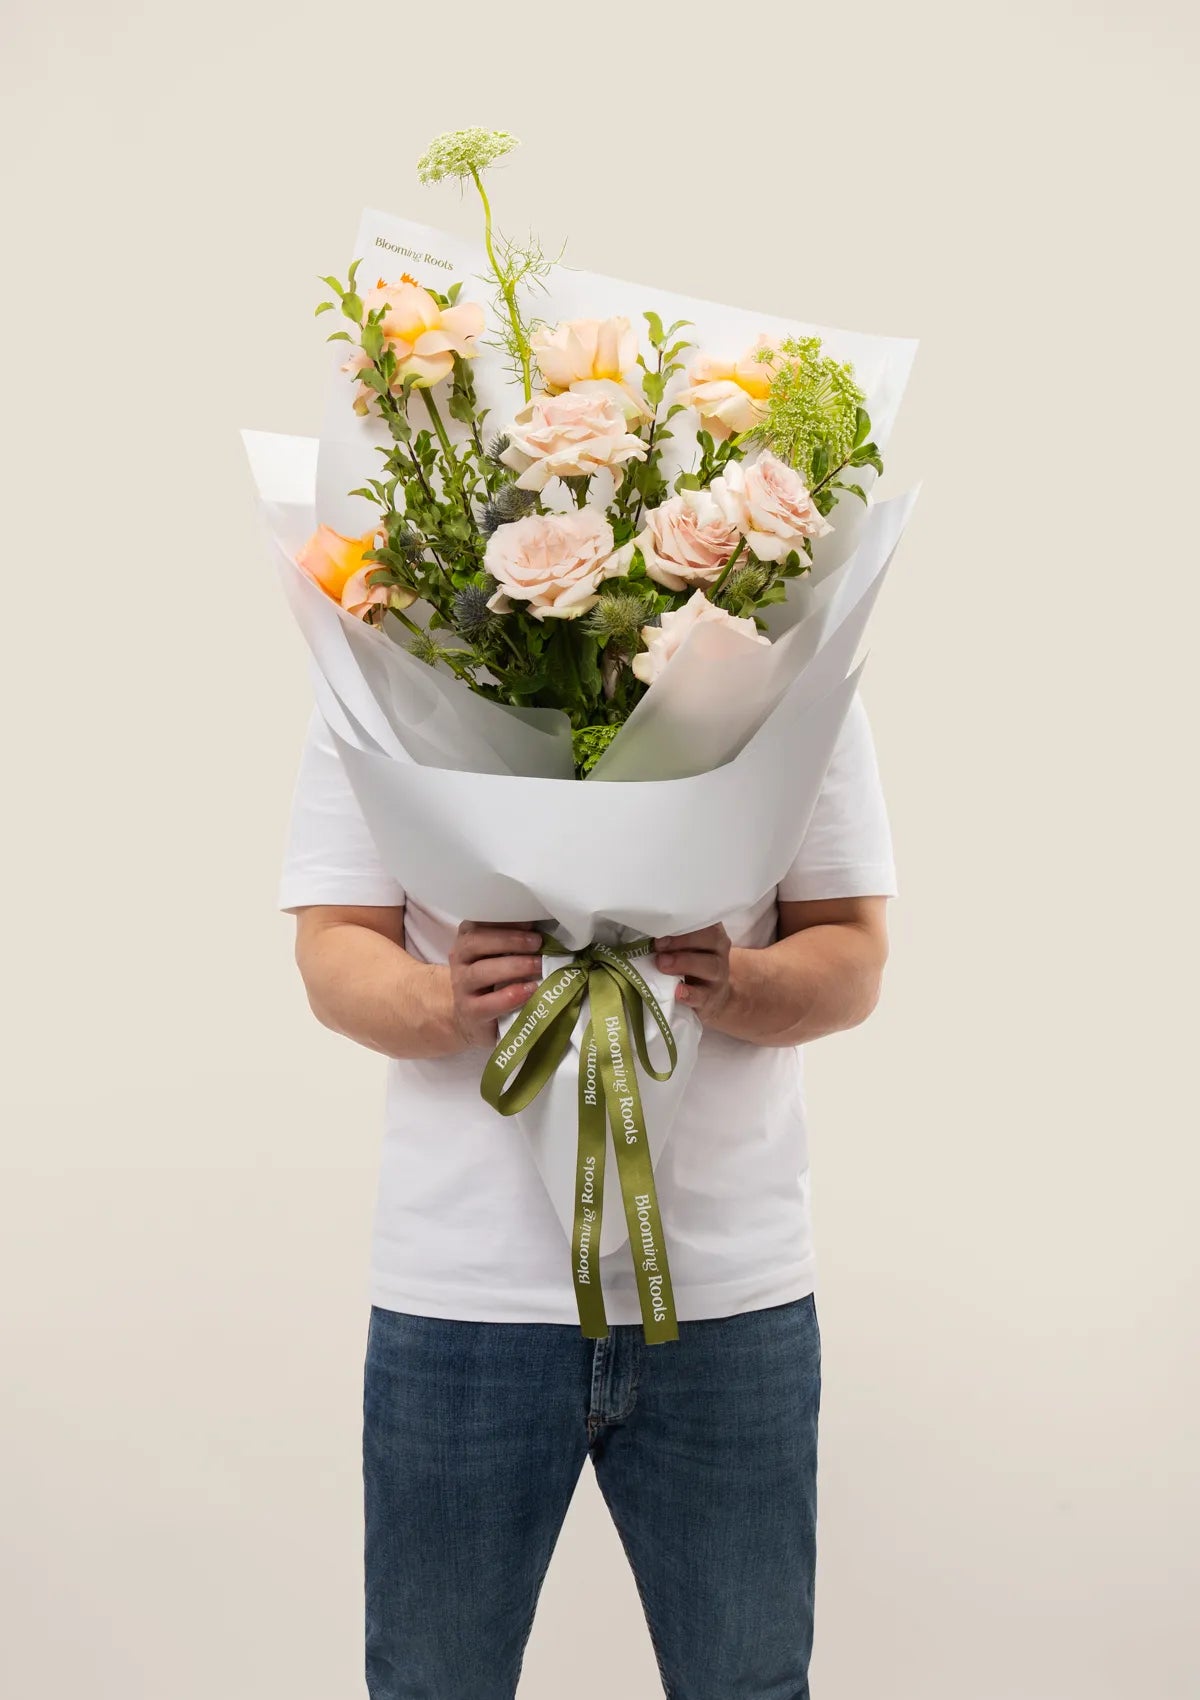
pixel 618 1074
pixel 589 1193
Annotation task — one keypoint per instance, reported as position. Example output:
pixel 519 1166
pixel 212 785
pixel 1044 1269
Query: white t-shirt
pixel 464 1227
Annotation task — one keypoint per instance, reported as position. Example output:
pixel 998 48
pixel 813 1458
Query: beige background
pixel 1006 1163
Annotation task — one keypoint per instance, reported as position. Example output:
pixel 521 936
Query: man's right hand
pixel 494 967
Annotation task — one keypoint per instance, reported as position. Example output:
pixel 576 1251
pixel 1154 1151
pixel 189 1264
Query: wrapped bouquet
pixel 584 569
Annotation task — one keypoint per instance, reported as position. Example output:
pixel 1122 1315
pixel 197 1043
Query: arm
pixel 822 974
pixel 361 981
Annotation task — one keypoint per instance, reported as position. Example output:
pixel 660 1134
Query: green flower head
pixel 812 408
pixel 463 153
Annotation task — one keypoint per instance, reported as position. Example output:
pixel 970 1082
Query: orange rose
pixel 341 568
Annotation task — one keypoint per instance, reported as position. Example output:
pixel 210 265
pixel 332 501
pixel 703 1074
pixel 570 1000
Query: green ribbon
pixel 526 1058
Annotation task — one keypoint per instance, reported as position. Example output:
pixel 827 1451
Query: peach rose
pixel 731 396
pixel 569 436
pixel 553 563
pixel 662 641
pixel 769 504
pixel 687 540
pixel 590 355
pixel 423 336
pixel 341 568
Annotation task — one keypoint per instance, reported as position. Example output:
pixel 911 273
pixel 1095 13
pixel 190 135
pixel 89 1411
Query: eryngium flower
pixel 744 585
pixel 510 502
pixel 472 617
pixel 619 617
pixel 463 153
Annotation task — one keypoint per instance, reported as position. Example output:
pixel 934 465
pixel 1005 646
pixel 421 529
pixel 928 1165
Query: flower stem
pixel 431 407
pixel 712 595
pixel 507 288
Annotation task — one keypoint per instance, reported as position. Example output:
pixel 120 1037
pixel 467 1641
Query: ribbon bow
pixel 525 1059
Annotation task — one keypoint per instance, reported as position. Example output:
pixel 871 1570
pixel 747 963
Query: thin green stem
pixel 431 407
pixel 507 288
pixel 712 595
pixel 450 656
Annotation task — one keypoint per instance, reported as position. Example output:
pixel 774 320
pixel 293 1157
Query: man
pixel 482 1398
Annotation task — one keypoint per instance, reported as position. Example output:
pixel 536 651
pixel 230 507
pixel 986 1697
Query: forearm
pixel 367 987
pixel 821 980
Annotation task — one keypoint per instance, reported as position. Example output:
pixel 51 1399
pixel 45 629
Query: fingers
pixel 703 965
pixel 479 939
pixel 494 971
pixel 706 938
pixel 487 1006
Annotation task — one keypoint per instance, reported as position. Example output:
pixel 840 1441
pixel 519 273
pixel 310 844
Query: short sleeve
pixel 847 849
pixel 330 856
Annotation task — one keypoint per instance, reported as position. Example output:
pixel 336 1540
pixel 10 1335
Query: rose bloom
pixel 590 355
pixel 553 563
pixel 731 396
pixel 423 336
pixel 340 566
pixel 687 540
pixel 663 641
pixel 570 435
pixel 769 504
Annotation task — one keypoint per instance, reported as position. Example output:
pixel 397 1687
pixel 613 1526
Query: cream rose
pixel 423 336
pixel 687 540
pixel 662 641
pixel 553 563
pixel 570 435
pixel 590 355
pixel 769 504
pixel 731 395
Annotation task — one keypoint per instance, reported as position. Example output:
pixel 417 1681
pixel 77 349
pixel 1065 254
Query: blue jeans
pixel 705 1450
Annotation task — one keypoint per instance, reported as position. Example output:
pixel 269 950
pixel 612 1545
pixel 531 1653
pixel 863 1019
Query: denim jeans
pixel 705 1451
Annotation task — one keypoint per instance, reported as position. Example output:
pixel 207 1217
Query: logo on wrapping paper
pixel 412 254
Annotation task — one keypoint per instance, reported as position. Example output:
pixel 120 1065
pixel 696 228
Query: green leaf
pixel 334 285
pixel 372 341
pixel 867 455
pixel 657 335
pixel 862 427
pixel 353 272
pixel 339 336
pixel 323 307
pixel 352 307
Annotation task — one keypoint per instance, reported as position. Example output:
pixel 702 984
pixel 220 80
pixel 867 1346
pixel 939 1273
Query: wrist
pixel 441 1033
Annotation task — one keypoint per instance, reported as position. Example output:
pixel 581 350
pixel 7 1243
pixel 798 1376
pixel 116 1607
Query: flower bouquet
pixel 583 574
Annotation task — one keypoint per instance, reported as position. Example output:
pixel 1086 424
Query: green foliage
pixel 588 744
pixel 815 419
